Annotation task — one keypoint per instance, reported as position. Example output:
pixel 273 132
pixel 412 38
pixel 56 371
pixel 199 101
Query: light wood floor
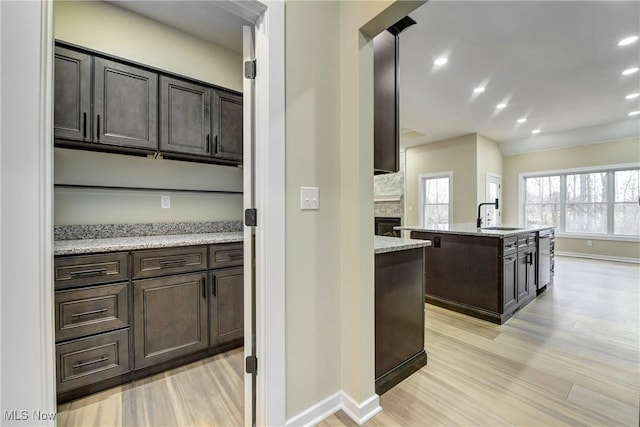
pixel 571 357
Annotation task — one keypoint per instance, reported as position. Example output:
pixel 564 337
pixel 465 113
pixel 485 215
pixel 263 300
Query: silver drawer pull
pixel 89 313
pixel 89 273
pixel 235 256
pixel 172 262
pixel 80 365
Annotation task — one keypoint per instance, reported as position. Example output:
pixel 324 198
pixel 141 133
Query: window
pixel 435 200
pixel 626 205
pixel 603 202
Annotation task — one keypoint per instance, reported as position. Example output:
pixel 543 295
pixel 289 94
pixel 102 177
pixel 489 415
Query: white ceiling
pixel 556 63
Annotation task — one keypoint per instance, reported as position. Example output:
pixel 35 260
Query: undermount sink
pixel 502 228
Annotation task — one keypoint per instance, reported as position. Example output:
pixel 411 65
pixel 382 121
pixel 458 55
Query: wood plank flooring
pixel 205 393
pixel 571 357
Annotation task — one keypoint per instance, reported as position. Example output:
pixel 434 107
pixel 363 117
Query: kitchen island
pixel 399 309
pixel 487 273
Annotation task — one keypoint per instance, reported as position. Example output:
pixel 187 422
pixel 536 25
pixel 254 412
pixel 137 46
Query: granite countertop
pixel 384 244
pixel 114 244
pixel 471 230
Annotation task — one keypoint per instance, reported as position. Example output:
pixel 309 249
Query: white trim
pixel 388 198
pixel 606 237
pixel 599 168
pixel 270 202
pixel 363 412
pixel 486 193
pixel 598 257
pixel 421 177
pixel 359 413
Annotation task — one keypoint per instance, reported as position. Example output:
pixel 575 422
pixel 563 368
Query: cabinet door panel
pixel 522 287
pixel 385 98
pixel 227 305
pixel 532 271
pixel 509 283
pixel 126 105
pixel 170 317
pixel 227 120
pixel 72 95
pixel 185 117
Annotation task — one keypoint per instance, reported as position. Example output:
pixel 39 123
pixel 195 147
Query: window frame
pixel 421 196
pixel 561 230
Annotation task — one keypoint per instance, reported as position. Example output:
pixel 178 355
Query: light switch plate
pixel 165 202
pixel 309 198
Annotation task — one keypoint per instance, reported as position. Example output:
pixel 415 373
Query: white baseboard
pixel 599 257
pixel 359 413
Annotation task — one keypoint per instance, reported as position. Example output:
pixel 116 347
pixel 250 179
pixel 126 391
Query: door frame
pixel 27 39
pixel 489 177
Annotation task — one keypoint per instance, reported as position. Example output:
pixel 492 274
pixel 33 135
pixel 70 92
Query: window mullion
pixel 563 202
pixel 610 201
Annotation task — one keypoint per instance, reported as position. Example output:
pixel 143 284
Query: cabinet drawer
pixel 89 360
pixel 75 271
pixel 88 311
pixel 164 262
pixel 509 245
pixel 226 255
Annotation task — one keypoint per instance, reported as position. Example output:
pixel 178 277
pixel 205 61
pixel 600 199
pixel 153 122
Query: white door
pixel 492 217
pixel 248 165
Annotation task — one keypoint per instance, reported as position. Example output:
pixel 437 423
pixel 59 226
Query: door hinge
pixel 251 217
pixel 250 69
pixel 251 365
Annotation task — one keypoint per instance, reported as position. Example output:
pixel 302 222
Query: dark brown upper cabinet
pixel 72 97
pixel 386 128
pixel 227 121
pixel 185 117
pixel 125 105
pixel 105 103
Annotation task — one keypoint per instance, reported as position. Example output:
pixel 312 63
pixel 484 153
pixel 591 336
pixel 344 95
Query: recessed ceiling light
pixel 501 106
pixel 630 71
pixel 522 120
pixel 479 89
pixel 627 40
pixel 440 61
pixel 632 96
pixel 535 131
pixel 634 113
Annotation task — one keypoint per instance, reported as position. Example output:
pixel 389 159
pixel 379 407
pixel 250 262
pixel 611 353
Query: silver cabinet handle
pixel 82 364
pixel 89 313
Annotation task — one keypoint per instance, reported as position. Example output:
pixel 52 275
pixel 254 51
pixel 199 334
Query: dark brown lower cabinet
pixel 226 305
pixel 170 317
pixel 509 282
pixel 399 316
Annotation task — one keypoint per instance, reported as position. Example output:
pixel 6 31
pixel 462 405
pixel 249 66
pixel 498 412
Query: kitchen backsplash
pixel 388 190
pixel 105 231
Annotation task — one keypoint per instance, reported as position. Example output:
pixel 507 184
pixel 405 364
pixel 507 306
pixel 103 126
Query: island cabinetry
pixel 91 319
pixel 487 276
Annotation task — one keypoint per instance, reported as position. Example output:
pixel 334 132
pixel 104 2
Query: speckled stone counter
pixel 384 244
pixel 90 246
pixel 470 229
pixel 97 238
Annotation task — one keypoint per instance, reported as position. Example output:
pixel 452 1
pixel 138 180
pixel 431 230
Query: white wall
pixel 26 337
pixel 489 162
pixel 312 245
pixel 458 155
pixel 110 29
